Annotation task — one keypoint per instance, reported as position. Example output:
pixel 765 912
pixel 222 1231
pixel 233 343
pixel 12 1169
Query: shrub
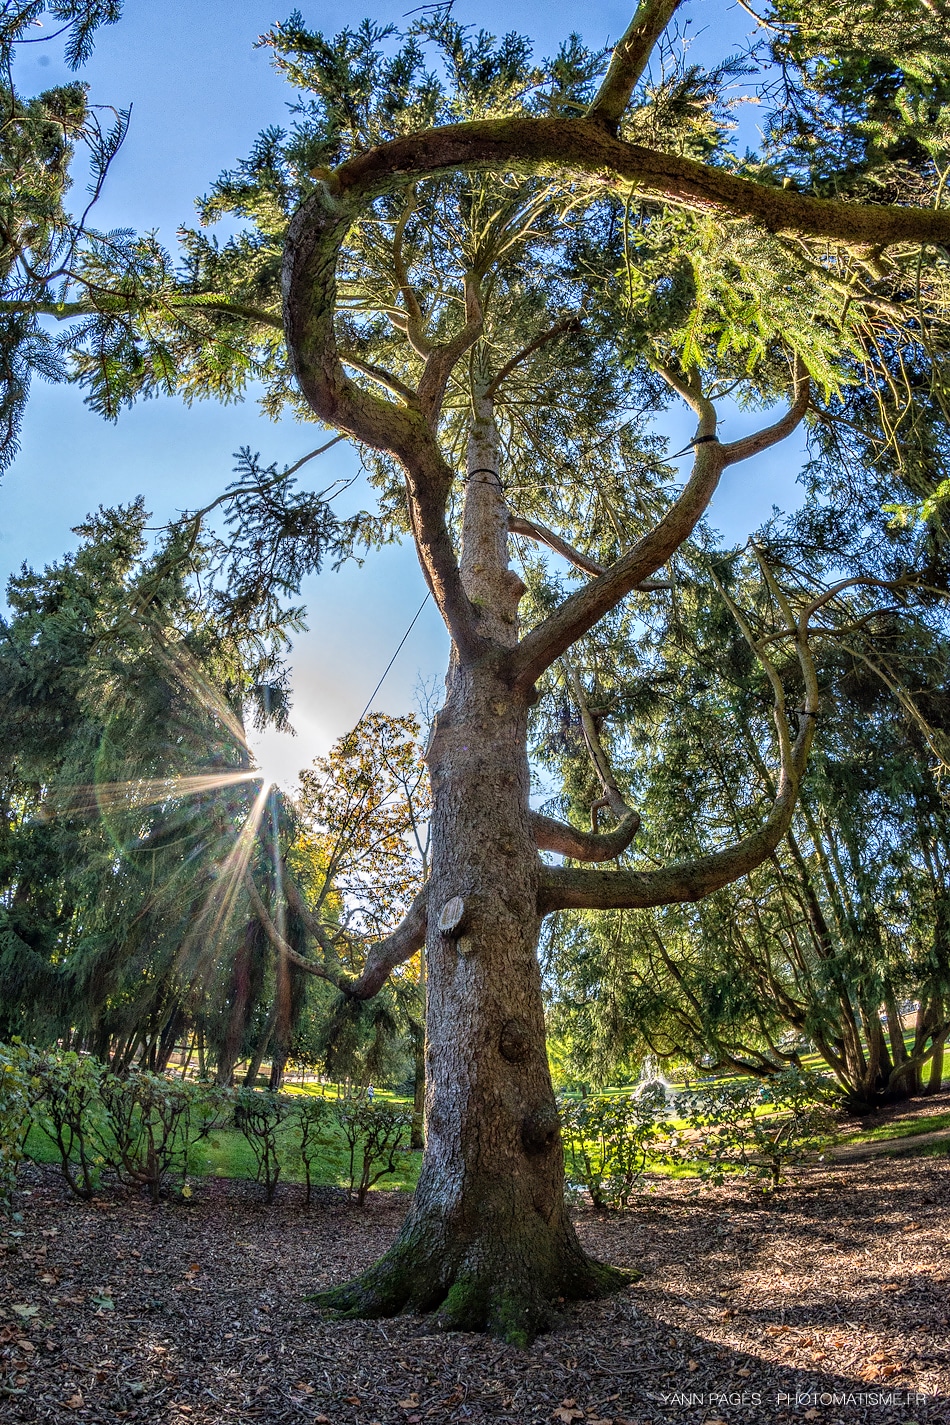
pixel 756 1129
pixel 608 1141
pixel 68 1109
pixel 311 1116
pixel 261 1117
pixel 374 1132
pixel 153 1123
pixel 14 1117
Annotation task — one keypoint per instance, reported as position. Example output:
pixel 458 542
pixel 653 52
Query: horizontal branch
pixel 569 888
pixel 552 835
pixel 523 143
pixel 119 304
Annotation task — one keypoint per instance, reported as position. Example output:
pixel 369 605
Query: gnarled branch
pixel 552 835
pixel 313 242
pixel 524 143
pixel 566 840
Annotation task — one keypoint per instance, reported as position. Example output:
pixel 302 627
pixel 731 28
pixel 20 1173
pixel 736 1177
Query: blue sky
pixel 200 92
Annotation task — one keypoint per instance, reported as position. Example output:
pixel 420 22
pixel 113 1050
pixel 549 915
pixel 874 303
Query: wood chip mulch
pixel 829 1302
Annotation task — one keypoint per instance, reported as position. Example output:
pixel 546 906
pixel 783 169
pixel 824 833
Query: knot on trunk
pixel 540 1130
pixel 515 1041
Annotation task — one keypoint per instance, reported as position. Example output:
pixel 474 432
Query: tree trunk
pixel 906 1084
pixel 263 1044
pixel 488 1241
pixel 935 1080
pixel 417 1135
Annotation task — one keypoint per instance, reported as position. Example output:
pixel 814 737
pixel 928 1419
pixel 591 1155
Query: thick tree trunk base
pixel 512 1287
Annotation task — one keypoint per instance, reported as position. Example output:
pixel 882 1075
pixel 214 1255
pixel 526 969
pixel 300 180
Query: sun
pixel 276 757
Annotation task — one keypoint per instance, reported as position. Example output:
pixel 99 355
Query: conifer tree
pixel 490 272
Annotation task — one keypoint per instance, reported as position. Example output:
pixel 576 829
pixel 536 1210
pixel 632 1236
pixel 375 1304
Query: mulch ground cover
pixel 828 1302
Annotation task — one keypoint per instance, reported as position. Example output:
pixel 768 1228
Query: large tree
pixel 492 273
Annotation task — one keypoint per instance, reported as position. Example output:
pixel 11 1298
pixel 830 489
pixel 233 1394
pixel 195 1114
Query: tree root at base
pixel 508 1300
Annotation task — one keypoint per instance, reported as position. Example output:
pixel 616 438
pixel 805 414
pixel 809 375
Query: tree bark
pixel 488 1242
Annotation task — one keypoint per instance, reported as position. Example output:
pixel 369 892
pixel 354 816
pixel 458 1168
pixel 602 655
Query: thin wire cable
pixel 382 680
pixel 392 660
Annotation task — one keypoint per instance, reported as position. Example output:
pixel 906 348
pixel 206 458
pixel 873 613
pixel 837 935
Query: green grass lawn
pixel 900 1128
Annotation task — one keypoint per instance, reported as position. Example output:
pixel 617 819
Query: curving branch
pixel 381 958
pixel 564 888
pixel 629 59
pixel 760 440
pixel 598 756
pixel 552 835
pixel 582 610
pixel 584 147
pixel 442 359
pixel 282 946
pixel 314 238
pixel 414 324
